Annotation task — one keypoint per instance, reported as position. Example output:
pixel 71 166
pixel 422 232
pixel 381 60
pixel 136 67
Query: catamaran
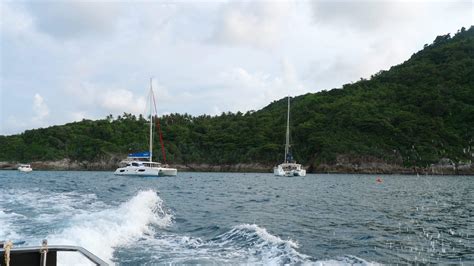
pixel 289 167
pixel 141 163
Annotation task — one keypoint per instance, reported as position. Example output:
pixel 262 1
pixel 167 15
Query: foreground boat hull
pixel 20 256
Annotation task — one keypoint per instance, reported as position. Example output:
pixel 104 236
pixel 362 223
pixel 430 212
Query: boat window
pixel 122 171
pixel 141 170
pixel 134 164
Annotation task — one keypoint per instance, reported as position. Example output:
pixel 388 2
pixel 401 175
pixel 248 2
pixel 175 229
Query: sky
pixel 63 61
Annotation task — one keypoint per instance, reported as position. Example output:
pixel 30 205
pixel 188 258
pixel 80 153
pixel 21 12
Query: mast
pixel 151 120
pixel 287 145
pixel 157 121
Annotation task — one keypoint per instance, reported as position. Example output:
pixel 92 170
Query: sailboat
pixel 141 163
pixel 289 167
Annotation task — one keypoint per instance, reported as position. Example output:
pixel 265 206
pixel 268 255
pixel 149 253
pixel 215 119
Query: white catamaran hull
pixel 279 171
pixel 146 171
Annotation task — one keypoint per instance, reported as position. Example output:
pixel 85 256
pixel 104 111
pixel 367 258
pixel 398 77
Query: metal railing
pixel 55 248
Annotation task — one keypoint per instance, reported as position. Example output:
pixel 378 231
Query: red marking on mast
pixel 159 129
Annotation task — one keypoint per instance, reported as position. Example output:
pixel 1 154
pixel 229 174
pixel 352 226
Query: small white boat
pixel 25 168
pixel 141 164
pixel 289 167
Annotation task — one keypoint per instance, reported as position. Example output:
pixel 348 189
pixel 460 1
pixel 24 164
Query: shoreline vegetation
pixel 343 166
pixel 415 118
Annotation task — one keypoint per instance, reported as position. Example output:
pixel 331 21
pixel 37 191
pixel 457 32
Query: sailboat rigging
pixel 136 163
pixel 289 167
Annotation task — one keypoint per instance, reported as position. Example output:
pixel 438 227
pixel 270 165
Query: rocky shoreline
pixel 342 166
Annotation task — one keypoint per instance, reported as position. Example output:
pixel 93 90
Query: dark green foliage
pixel 415 113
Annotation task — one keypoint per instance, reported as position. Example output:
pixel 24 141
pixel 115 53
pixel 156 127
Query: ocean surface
pixel 243 218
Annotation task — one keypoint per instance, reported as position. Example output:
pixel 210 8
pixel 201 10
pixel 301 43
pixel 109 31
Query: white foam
pixel 7 228
pixel 101 231
pixel 50 206
pixel 263 233
pixel 246 244
pixel 264 247
pixel 243 244
pixel 101 228
pixel 345 260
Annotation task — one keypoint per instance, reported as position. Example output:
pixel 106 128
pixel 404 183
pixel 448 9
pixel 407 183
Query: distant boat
pixel 289 167
pixel 25 168
pixel 141 164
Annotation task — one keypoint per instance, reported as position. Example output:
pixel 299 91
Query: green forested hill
pixel 416 113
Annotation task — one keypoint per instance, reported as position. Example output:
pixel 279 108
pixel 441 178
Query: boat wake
pixel 138 232
pixel 7 231
pixel 242 244
pixel 245 243
pixel 101 232
pixel 260 245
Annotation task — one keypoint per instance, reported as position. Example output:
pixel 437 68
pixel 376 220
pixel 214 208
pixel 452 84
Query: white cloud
pixel 78 116
pixel 242 90
pixel 258 24
pixel 71 19
pixel 121 100
pixel 362 15
pixel 40 108
pixel 14 20
pixel 13 124
pixel 367 16
pixel 89 59
pixel 105 99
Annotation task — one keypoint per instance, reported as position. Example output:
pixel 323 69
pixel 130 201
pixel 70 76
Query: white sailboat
pixel 289 167
pixel 141 164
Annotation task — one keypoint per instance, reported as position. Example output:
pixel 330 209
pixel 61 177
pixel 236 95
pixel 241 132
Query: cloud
pixel 104 99
pixel 258 24
pixel 87 59
pixel 78 116
pixel 121 100
pixel 40 108
pixel 14 21
pixel 367 16
pixel 258 89
pixel 71 19
pixel 362 15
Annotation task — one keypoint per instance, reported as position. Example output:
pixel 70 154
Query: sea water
pixel 243 218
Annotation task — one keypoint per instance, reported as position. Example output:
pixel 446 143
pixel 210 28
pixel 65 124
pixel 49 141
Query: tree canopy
pixel 416 113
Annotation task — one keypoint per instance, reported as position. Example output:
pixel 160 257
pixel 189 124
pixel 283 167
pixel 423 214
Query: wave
pixel 100 232
pixel 130 233
pixel 7 227
pixel 242 244
pixel 346 260
pixel 261 246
